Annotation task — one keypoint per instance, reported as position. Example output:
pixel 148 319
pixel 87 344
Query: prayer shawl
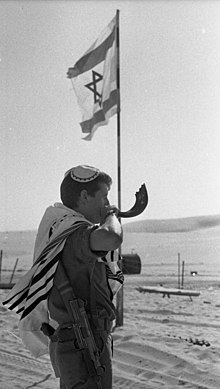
pixel 29 296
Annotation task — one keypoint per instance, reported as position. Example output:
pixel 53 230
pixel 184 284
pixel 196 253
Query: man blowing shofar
pixel 67 296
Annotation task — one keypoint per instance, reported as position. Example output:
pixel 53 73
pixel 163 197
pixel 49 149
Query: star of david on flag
pixel 94 79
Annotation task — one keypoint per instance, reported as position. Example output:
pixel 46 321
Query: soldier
pixel 85 191
pixel 66 299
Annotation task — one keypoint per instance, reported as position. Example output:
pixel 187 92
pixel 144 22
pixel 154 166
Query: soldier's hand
pixel 108 210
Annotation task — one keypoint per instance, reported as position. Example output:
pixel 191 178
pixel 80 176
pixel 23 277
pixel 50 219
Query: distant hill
pixel 173 225
pixel 22 242
pixel 17 243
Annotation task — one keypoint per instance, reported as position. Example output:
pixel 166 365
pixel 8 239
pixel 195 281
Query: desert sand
pixel 163 343
pixel 153 349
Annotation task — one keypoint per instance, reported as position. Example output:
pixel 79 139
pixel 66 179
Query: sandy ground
pixel 157 347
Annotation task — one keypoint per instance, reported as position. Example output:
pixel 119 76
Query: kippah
pixel 83 173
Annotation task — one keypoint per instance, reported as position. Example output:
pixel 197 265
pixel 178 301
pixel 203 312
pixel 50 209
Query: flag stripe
pixel 43 287
pixel 26 295
pixel 99 116
pixel 59 239
pixel 39 276
pixel 25 289
pixel 92 58
pixel 17 302
pixel 35 303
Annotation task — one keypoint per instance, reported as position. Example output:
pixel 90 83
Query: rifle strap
pixel 67 293
pixel 93 308
pixel 64 287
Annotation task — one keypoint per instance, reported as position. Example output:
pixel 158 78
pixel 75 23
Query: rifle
pixel 84 337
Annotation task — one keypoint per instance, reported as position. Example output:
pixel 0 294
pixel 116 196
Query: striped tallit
pixel 28 297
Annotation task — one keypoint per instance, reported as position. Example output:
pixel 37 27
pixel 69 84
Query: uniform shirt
pixel 83 269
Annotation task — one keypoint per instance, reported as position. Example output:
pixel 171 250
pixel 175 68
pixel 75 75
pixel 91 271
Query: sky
pixel 170 105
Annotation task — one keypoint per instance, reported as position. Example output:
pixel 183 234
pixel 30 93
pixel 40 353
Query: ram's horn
pixel 140 203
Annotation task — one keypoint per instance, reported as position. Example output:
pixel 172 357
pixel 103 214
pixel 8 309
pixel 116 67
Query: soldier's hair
pixel 70 189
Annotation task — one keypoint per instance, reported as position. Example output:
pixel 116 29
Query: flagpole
pixel 119 297
pixel 118 113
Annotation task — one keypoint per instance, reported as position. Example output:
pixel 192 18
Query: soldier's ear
pixel 84 195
